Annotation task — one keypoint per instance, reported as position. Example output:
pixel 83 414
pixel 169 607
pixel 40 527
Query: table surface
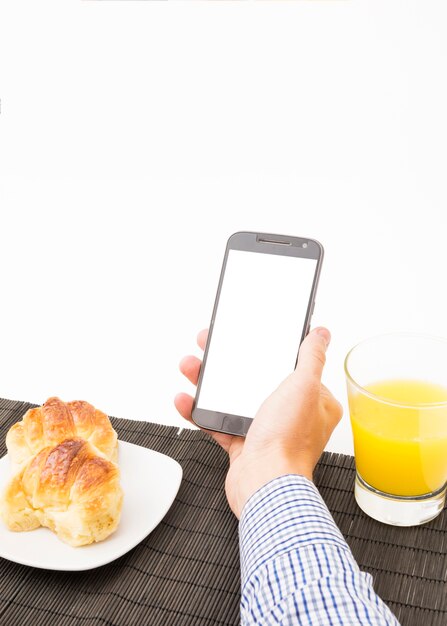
pixel 187 570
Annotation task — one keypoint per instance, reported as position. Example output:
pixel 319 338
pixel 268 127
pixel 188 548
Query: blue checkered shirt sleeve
pixel 296 567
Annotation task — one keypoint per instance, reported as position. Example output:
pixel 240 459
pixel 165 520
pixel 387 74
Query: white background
pixel 135 137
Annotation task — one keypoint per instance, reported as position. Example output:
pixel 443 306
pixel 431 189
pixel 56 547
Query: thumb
pixel 312 354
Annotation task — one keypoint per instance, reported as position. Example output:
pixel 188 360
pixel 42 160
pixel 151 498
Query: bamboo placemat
pixel 186 572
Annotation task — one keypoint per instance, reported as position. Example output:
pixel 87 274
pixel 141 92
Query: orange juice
pixel 400 448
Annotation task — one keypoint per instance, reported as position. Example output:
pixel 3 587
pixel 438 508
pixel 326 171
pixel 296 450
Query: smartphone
pixel 262 313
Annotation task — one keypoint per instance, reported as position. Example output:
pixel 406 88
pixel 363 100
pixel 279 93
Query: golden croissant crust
pixel 68 488
pixel 56 421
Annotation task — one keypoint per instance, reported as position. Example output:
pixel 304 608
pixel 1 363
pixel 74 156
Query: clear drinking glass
pixel 397 393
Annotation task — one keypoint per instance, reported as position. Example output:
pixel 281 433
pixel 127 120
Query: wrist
pixel 253 477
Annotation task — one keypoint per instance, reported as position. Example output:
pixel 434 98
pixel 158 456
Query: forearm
pixel 296 566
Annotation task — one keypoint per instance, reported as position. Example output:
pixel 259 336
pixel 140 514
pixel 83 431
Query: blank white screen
pixel 257 330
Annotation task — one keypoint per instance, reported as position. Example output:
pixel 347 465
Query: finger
pixel 312 354
pixel 190 367
pixel 183 403
pixel 202 338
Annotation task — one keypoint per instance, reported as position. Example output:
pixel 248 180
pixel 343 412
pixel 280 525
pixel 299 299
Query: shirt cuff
pixel 286 514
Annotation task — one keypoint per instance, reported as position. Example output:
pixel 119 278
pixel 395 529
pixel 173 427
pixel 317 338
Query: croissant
pixel 70 488
pixel 56 421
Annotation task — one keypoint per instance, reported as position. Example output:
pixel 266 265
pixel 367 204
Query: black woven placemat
pixel 187 571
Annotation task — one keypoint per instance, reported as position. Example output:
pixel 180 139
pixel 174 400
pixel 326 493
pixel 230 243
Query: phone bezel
pixel 265 243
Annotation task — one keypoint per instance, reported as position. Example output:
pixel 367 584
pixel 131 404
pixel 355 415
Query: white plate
pixel 150 482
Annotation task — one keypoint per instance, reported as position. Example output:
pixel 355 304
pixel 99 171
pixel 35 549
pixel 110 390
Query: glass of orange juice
pixel 397 393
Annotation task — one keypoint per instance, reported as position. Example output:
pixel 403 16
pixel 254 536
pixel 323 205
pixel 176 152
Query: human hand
pixel 289 431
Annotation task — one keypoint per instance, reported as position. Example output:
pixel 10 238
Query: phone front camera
pixel 304 245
